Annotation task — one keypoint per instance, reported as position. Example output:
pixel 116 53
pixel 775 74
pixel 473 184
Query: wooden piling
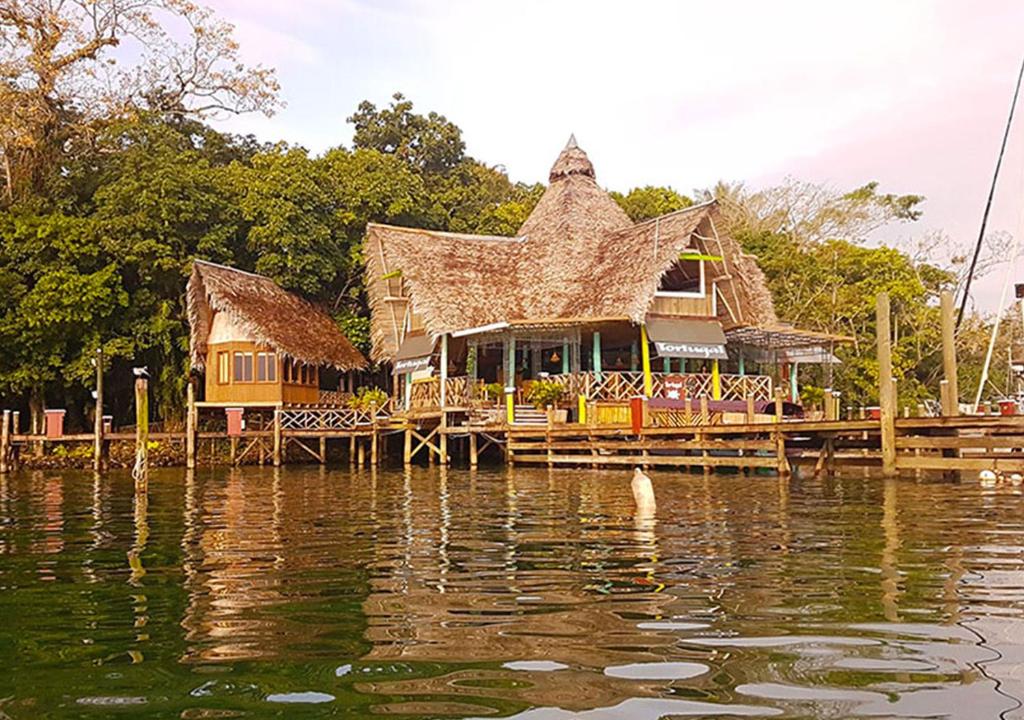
pixel 362 454
pixel 97 450
pixel 191 425
pixel 474 458
pixel 352 450
pixel 141 428
pixel 442 442
pixel 5 442
pixel 374 436
pixel 951 406
pixel 886 396
pixel 277 437
pixel 750 409
pixel 407 451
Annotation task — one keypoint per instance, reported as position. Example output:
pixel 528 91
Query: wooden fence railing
pixel 625 385
pixel 332 418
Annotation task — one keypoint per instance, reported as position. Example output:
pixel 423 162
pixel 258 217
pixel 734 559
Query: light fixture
pixel 555 357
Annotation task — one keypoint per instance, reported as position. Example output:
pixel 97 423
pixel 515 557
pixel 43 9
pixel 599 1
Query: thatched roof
pixel 577 256
pixel 272 316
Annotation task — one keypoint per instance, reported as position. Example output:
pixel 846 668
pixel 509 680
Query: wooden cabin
pixel 609 308
pixel 259 345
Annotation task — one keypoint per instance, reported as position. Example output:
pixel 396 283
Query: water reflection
pixel 528 594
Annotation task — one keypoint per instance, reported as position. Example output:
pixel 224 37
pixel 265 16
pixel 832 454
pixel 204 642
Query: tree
pixel 60 80
pixel 644 203
pixel 430 143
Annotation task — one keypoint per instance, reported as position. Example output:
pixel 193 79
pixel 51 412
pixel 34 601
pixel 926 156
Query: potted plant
pixel 548 393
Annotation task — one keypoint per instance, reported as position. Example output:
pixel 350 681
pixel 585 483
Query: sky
pixel 912 94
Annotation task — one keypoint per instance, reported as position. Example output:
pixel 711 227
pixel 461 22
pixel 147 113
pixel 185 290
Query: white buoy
pixel 987 478
pixel 1016 479
pixel 643 492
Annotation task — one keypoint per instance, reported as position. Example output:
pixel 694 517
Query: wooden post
pixel 944 402
pixel 323 449
pixel 374 450
pixel 142 426
pixel 443 375
pixel 704 416
pixel 596 355
pixel 474 458
pixel 407 450
pixel 550 417
pixel 687 412
pixel 12 461
pixel 442 439
pixel 716 381
pixel 277 437
pixel 952 405
pixel 5 442
pixel 782 463
pixel 750 409
pixel 886 399
pixel 362 453
pixel 191 424
pixel 645 355
pixel 97 450
pixel 233 449
pixel 510 381
pixel 581 409
pixel 352 450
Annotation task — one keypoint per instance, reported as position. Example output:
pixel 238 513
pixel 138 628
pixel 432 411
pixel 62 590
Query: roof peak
pixel 571 161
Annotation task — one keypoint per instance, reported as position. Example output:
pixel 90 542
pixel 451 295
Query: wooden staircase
pixel 529 415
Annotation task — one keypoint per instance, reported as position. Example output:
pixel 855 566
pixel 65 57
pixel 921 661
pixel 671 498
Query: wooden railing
pixel 333 397
pixel 625 385
pixel 460 391
pixel 330 418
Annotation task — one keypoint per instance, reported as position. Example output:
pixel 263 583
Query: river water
pixel 507 593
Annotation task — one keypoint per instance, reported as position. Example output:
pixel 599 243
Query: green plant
pixel 367 396
pixel 545 392
pixel 493 391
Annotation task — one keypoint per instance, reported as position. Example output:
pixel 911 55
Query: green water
pixel 307 593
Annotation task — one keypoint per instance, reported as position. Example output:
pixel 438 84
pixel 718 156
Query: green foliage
pixel 431 143
pixel 493 391
pixel 644 203
pixel 545 392
pixel 366 397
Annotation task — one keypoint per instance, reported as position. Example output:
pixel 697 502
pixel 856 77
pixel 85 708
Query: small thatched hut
pixel 258 344
pixel 579 289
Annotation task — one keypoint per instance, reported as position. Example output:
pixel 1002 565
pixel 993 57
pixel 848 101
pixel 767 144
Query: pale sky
pixel 913 94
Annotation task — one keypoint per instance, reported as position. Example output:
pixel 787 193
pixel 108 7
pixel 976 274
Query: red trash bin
pixel 55 424
pixel 636 414
pixel 236 423
pixel 1008 407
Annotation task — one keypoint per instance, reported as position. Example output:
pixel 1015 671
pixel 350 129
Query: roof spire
pixel 572 142
pixel 571 161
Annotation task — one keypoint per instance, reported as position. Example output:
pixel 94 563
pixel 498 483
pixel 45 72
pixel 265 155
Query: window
pixel 286 370
pixel 305 374
pixel 243 367
pixel 223 368
pixel 266 367
pixel 686 277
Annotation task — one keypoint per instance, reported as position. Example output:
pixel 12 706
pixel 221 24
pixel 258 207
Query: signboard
pixel 675 387
pixel 411 365
pixel 691 350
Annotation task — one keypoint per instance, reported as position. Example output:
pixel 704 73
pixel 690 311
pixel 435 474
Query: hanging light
pixel 555 357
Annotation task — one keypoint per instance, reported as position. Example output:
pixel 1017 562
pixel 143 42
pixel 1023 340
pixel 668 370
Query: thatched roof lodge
pixel 257 343
pixel 580 288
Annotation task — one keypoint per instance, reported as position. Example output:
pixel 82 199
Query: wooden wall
pixel 270 392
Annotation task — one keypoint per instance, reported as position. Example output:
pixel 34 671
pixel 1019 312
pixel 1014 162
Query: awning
pixel 687 338
pixel 413 354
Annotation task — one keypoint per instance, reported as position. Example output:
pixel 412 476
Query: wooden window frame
pixel 267 362
pixel 223 367
pixel 702 293
pixel 239 375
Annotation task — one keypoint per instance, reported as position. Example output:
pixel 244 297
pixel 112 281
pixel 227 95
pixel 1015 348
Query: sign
pixel 675 387
pixel 691 350
pixel 411 365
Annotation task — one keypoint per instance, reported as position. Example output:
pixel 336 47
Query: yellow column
pixel 645 354
pixel 582 407
pixel 716 381
pixel 510 407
